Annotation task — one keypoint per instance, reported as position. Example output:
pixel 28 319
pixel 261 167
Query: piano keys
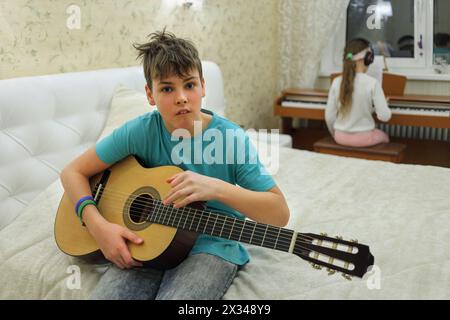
pixel 396 108
pixel 407 110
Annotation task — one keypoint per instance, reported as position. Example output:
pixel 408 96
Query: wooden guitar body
pixel 164 247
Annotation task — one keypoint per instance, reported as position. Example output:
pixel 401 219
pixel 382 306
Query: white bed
pixel 401 211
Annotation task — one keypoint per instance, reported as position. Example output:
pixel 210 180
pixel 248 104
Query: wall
pixel 240 35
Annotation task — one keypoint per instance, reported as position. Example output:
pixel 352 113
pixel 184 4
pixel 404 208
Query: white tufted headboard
pixel 47 121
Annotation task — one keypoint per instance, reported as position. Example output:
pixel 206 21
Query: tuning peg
pixel 354 240
pixel 339 237
pixel 330 271
pixel 346 277
pixel 324 234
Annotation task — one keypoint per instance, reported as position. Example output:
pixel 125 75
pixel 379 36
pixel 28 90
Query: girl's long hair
pixel 354 47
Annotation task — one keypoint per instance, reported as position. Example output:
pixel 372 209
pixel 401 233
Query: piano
pixel 407 110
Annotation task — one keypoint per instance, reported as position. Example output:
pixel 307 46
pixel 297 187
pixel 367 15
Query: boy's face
pixel 178 100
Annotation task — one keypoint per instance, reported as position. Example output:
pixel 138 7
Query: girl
pixel 353 98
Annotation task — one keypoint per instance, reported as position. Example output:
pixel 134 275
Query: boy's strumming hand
pixel 111 238
pixel 193 186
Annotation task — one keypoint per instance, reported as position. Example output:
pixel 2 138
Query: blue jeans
pixel 199 277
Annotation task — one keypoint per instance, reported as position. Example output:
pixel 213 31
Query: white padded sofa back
pixel 46 121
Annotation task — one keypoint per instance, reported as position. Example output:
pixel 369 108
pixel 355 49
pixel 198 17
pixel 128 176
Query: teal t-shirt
pixel 222 151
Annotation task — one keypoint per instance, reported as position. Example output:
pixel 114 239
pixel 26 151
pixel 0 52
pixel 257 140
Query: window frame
pixel 331 61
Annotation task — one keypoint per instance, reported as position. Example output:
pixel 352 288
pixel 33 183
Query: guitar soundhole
pixel 141 208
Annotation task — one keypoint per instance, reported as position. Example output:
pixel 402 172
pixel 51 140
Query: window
pixel 413 36
pixel 441 32
pixel 388 25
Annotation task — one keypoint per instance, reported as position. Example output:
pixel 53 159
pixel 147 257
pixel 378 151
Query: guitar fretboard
pixel 222 226
pixel 219 225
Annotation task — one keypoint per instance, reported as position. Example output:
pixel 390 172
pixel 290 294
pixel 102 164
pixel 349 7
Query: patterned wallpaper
pixel 56 36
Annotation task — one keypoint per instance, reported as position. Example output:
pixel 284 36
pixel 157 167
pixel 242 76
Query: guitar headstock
pixel 335 254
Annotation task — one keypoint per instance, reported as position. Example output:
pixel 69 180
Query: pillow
pixel 48 275
pixel 126 104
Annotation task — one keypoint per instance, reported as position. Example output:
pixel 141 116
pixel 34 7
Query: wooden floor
pixel 423 152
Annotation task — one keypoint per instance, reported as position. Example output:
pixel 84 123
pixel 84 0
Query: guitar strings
pixel 280 241
pixel 300 251
pixel 281 238
pixel 108 193
pixel 226 229
pixel 164 210
pixel 153 200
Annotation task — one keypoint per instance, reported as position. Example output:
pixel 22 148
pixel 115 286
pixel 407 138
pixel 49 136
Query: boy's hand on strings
pixel 193 186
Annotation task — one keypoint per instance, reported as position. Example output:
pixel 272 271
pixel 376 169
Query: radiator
pixel 421 133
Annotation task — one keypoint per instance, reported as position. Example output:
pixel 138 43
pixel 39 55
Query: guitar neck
pixel 218 225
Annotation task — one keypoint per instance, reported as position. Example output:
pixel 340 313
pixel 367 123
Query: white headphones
pixel 366 54
pixel 360 55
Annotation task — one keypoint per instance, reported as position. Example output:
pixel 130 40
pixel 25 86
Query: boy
pixel 176 86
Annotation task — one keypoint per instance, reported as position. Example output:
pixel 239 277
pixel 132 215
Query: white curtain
pixel 306 27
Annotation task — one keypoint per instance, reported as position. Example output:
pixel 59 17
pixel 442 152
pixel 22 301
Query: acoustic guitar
pixel 130 195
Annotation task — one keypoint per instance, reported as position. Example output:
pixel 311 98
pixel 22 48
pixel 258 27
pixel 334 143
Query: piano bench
pixel 392 152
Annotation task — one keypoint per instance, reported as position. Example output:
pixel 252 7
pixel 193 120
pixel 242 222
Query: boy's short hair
pixel 166 55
